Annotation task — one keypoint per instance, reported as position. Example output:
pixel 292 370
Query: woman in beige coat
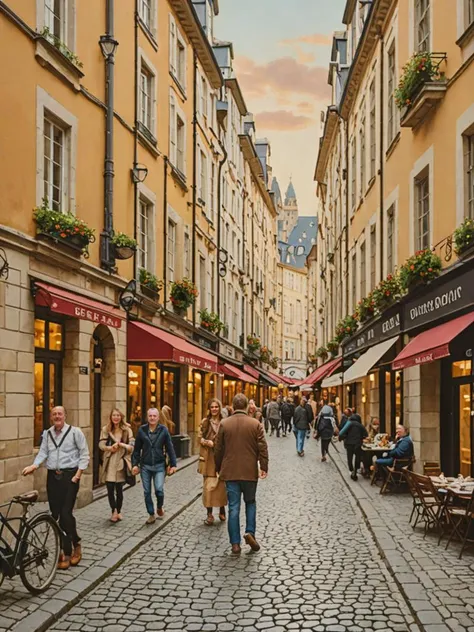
pixel 116 441
pixel 214 492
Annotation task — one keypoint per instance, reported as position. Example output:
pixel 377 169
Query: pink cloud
pixel 316 39
pixel 305 107
pixel 283 120
pixel 282 76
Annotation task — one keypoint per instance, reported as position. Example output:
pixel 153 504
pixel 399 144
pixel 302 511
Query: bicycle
pixel 33 551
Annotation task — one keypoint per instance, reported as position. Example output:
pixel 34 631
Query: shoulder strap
pixel 62 440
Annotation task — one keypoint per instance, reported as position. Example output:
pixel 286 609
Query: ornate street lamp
pixel 108 46
pixel 139 173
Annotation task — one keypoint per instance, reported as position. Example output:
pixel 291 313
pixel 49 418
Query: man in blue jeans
pixel 239 450
pixel 302 424
pixel 153 440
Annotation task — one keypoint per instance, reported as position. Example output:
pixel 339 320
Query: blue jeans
pixel 385 461
pixel 235 489
pixel 300 437
pixel 158 477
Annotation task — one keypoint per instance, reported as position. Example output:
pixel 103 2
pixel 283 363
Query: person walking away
pixel 266 421
pixel 116 442
pixel 252 410
pixel 353 434
pixel 301 425
pixel 213 493
pixel 287 412
pixel 166 418
pixel 274 416
pixel 346 415
pixel 148 458
pixel 325 430
pixel 311 417
pixel 64 448
pixel 240 450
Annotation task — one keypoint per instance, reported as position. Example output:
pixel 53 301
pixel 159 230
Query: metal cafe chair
pixel 432 504
pixel 460 519
pixel 395 474
pixel 417 509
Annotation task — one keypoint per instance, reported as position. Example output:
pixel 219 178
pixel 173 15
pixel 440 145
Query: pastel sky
pixel 282 50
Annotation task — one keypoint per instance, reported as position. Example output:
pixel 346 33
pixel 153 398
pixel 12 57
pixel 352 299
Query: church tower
pixel 290 211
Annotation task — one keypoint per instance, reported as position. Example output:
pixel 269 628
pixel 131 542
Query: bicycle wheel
pixel 39 553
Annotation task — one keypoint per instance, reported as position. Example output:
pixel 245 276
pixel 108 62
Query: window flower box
pixel 124 246
pixel 183 294
pixel 64 228
pixel 464 239
pixel 418 270
pixel 150 285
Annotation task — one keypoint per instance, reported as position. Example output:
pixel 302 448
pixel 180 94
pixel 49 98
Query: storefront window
pixel 40 334
pixel 465 428
pixel 55 336
pixel 398 398
pixel 462 368
pixel 388 403
pixel 135 396
pixel 154 386
pixel 229 392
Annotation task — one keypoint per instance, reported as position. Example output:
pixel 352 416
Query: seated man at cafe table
pixel 403 448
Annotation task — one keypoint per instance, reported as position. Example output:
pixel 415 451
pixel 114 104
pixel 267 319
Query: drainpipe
pixel 135 147
pixel 346 126
pixel 106 249
pixel 193 265
pixel 222 162
pixel 382 162
pixel 165 230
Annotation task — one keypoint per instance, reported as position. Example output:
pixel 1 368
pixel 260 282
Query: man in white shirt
pixel 64 448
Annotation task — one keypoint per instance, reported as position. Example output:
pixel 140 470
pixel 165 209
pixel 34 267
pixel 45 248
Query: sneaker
pixel 151 520
pixel 160 512
pixel 252 542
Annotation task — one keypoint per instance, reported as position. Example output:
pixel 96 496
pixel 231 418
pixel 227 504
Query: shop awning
pixel 251 371
pixel 237 374
pixel 367 361
pixel 268 378
pixel 150 344
pixel 432 344
pixel 323 371
pixel 70 304
pixel 332 381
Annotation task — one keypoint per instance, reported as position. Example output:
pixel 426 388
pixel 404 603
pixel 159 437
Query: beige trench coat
pixel 113 470
pixel 214 492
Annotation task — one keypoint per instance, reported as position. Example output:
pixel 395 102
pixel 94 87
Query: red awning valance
pixel 70 304
pixel 323 371
pixel 251 371
pixel 234 372
pixel 150 344
pixel 432 344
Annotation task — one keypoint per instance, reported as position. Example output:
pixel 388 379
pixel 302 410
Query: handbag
pixel 130 479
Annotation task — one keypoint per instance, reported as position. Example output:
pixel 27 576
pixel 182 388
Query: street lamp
pixel 139 173
pixel 128 296
pixel 108 46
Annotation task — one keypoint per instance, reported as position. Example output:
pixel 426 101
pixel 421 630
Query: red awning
pixel 251 371
pixel 433 344
pixel 70 304
pixel 323 371
pixel 234 372
pixel 150 344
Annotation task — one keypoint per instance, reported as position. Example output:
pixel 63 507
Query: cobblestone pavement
pixel 319 568
pixel 104 546
pixel 438 584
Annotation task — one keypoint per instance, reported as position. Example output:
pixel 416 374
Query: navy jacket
pixel 150 447
pixel 353 432
pixel 403 449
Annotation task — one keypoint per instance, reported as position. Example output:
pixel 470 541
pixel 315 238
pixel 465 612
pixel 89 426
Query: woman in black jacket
pixel 325 430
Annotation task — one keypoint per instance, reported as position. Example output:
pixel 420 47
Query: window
pixel 202 282
pixel 469 163
pixel 363 271
pixel 373 131
pixel 177 137
pixel 147 98
pixel 353 174
pixel 145 236
pixel 187 255
pixel 204 97
pixel 354 281
pixel 146 10
pixel 422 210
pixel 373 257
pixel 212 192
pixel 470 12
pixel 391 107
pixel 180 144
pixel 362 150
pixel 390 239
pixel 236 318
pixel 177 54
pixel 55 164
pixel 203 178
pixel 55 19
pixel 422 25
pixel 171 250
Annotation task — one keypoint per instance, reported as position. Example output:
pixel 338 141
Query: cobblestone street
pixel 319 569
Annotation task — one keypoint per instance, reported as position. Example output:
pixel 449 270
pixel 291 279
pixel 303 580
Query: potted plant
pixel 346 328
pixel 333 347
pixel 420 69
pixel 183 294
pixel 63 227
pixel 322 353
pixel 274 363
pixel 253 343
pixel 366 308
pixel 150 285
pixel 265 355
pixel 124 246
pixel 422 267
pixel 61 46
pixel 387 292
pixel 464 238
pixel 211 322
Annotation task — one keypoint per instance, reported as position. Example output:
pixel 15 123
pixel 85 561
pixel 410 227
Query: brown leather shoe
pixel 160 512
pixel 64 562
pixel 236 550
pixel 252 542
pixel 76 556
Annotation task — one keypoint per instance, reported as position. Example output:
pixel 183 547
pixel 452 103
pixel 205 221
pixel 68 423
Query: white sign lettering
pixel 448 298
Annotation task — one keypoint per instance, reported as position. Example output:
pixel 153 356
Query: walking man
pixel 64 448
pixel 287 412
pixel 302 424
pixel 148 458
pixel 274 415
pixel 353 434
pixel 325 430
pixel 266 421
pixel 239 450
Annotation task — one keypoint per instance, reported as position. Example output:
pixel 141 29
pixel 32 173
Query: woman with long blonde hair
pixel 116 442
pixel 166 420
pixel 214 492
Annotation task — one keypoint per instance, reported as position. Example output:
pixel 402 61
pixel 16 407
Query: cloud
pixel 315 39
pixel 305 107
pixel 283 76
pixel 304 57
pixel 283 120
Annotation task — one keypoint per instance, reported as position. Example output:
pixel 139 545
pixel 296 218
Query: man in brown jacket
pixel 240 447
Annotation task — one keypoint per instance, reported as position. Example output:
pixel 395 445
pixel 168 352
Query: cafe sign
pixel 194 361
pixel 443 300
pixel 387 326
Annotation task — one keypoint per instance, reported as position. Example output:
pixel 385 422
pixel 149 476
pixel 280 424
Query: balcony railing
pixel 426 93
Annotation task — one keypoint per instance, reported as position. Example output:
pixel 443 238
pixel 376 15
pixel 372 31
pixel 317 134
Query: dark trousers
pixel 266 423
pixel 62 494
pixel 275 423
pixel 115 494
pixel 286 425
pixel 325 443
pixel 354 457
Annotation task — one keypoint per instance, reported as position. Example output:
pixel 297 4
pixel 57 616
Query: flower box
pixel 124 252
pixel 64 228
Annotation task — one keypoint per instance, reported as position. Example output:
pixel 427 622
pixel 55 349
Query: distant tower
pixel 290 210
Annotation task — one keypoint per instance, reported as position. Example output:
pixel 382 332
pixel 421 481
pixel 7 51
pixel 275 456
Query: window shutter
pixel 154 91
pixel 172 131
pixel 198 171
pixel 185 137
pixel 172 51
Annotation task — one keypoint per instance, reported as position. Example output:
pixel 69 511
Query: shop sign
pixel 194 361
pixel 384 328
pixel 204 342
pixel 83 370
pixel 86 313
pixel 452 296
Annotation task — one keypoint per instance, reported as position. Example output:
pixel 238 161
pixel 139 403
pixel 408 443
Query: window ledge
pixel 370 185
pixel 179 178
pixel 177 83
pixel 430 94
pixel 53 60
pixel 393 144
pixel 148 33
pixel 147 139
pixel 466 36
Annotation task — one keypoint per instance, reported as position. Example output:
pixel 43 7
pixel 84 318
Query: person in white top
pixel 64 448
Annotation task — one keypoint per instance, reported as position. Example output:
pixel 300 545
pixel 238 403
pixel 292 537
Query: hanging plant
pixel 183 294
pixel 423 267
pixel 322 352
pixel 210 321
pixel 64 227
pixel 346 328
pixel 420 68
pixel 366 308
pixel 124 246
pixel 387 292
pixel 253 343
pixel 333 347
pixel 150 285
pixel 61 46
pixel 464 237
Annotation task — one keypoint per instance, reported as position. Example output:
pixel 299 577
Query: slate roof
pixel 300 241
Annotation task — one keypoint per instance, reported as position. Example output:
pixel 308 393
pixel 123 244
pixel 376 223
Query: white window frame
pixel 464 127
pixel 48 107
pixel 177 54
pixel 363 269
pixel 373 255
pixel 422 14
pixel 392 111
pixel 67 31
pixel 362 151
pixel 187 254
pixel 426 161
pixel 147 12
pixel 469 173
pixel 373 128
pixel 353 148
pixel 148 198
pixel 203 175
pixel 171 241
pixel 203 291
pixel 146 68
pixel 391 202
pixel 176 113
